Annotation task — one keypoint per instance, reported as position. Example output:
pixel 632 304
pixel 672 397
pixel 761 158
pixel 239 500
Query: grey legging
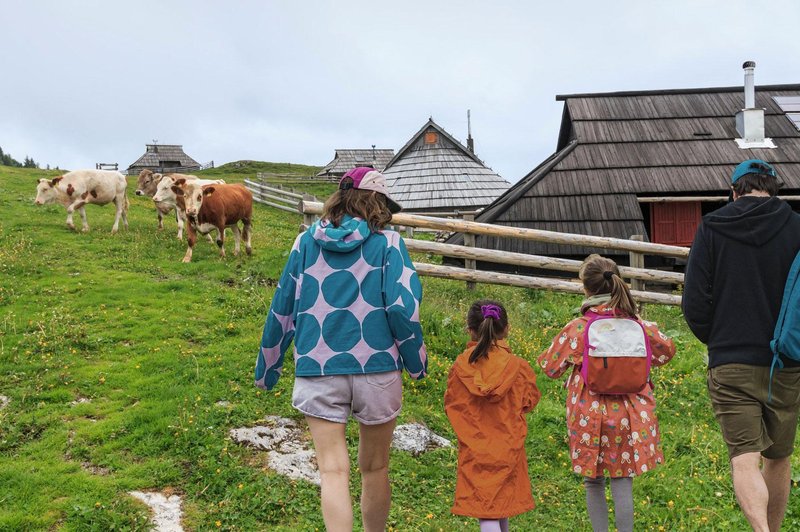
pixel 621 491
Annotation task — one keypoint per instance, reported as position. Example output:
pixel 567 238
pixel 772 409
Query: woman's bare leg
pixel 334 469
pixel 373 461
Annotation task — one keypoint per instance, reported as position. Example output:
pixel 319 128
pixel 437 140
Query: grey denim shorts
pixel 371 398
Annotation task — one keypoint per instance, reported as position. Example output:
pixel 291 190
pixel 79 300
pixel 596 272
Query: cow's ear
pixel 55 180
pixel 207 191
pixel 180 181
pixel 157 177
pixel 177 190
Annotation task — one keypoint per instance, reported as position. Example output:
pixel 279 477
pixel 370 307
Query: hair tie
pixel 490 311
pixel 607 275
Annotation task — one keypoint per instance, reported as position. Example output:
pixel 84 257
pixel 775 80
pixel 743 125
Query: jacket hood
pixel 490 377
pixel 350 234
pixel 750 220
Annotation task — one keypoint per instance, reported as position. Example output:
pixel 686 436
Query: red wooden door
pixel 674 223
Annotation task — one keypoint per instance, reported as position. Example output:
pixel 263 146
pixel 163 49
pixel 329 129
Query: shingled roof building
pixel 435 173
pixel 344 160
pixel 163 157
pixel 646 163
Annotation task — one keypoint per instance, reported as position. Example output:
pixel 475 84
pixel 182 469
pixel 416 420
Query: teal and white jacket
pixel 349 298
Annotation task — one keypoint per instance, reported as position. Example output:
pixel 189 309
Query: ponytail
pixel 600 275
pixel 488 319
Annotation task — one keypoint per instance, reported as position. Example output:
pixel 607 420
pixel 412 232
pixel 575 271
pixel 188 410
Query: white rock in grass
pixel 288 450
pixel 416 439
pixel 4 401
pixel 166 510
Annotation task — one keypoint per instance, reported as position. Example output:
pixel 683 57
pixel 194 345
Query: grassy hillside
pixel 114 355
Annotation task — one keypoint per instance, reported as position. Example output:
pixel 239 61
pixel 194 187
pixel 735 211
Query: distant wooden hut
pixel 435 173
pixel 163 157
pixel 646 163
pixel 344 160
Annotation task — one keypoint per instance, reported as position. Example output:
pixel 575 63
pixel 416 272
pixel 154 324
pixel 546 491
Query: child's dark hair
pixel 488 319
pixel 601 276
pixel 366 204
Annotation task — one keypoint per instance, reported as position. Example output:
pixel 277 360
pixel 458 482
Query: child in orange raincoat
pixel 489 391
pixel 612 436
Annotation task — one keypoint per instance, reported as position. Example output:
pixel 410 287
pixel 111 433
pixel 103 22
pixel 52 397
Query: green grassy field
pixel 114 355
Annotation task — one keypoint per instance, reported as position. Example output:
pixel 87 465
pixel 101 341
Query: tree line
pixel 7 160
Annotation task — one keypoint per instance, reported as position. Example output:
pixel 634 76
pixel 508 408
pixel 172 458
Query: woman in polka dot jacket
pixel 349 297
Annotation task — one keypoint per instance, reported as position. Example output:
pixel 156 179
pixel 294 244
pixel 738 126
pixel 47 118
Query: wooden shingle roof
pixel 344 160
pixel 615 147
pixel 157 154
pixel 434 172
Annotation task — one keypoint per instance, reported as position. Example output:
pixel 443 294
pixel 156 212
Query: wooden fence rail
pixel 277 197
pixel 470 254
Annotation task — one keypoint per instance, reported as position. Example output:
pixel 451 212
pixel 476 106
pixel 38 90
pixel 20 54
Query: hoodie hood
pixel 350 234
pixel 750 220
pixel 490 377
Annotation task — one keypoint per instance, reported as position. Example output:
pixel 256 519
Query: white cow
pixel 75 189
pixel 166 197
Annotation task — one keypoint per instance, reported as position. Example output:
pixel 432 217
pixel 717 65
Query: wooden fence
pixel 278 196
pixel 264 176
pixel 637 249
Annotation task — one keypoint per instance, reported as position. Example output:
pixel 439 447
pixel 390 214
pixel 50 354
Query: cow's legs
pixel 247 229
pixel 221 241
pixel 85 224
pixel 191 238
pixel 77 204
pixel 160 218
pixel 179 221
pixel 237 236
pixel 125 211
pixel 119 203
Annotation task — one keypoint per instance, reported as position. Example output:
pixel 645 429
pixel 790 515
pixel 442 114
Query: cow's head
pixel 164 193
pixel 147 183
pixel 192 194
pixel 46 190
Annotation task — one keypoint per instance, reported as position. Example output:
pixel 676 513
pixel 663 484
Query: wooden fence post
pixel 637 261
pixel 409 232
pixel 469 241
pixel 308 218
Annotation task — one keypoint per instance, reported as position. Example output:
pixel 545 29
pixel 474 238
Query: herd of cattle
pixel 206 204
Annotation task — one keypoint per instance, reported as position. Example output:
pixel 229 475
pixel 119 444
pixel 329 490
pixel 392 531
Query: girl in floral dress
pixel 614 436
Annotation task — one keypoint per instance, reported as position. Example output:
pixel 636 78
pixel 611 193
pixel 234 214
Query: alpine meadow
pixel 125 369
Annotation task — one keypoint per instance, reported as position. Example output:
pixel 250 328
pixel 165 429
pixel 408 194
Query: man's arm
pixel 698 302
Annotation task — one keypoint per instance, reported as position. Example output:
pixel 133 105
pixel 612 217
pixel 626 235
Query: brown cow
pixel 212 207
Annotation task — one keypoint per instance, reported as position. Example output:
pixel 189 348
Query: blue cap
pixel 752 166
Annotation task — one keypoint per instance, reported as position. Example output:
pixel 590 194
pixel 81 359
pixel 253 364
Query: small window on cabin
pixel 431 137
pixel 791 106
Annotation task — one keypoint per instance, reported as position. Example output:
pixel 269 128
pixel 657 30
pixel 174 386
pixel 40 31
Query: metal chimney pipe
pixel 749 85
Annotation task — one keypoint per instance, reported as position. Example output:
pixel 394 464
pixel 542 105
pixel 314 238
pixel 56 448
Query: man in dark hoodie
pixel 735 277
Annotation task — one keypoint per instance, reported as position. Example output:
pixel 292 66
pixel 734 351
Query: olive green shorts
pixel 750 423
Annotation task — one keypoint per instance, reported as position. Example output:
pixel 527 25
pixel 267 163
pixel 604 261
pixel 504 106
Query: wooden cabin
pixel 434 173
pixel 164 158
pixel 344 160
pixel 646 163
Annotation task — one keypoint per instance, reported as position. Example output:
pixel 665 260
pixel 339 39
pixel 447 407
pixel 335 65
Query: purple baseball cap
pixel 366 178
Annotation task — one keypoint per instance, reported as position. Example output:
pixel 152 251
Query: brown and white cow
pixel 212 207
pixel 166 198
pixel 147 185
pixel 75 189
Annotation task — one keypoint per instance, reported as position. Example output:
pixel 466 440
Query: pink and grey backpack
pixel 616 354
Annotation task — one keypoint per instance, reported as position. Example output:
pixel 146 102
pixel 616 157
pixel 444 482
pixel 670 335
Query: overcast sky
pixel 290 81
